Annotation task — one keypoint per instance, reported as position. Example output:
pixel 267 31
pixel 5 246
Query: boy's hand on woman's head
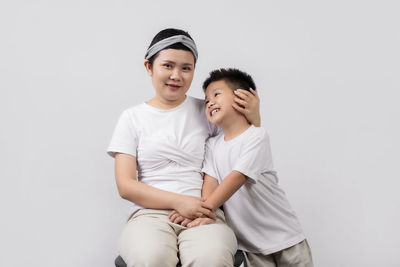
pixel 248 103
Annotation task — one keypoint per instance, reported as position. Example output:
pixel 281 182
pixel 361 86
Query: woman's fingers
pixel 241 102
pixel 254 92
pixel 185 222
pixel 193 223
pixel 239 108
pixel 173 217
pixel 200 221
pixel 178 219
pixel 205 221
pixel 247 93
pixel 172 213
pixel 243 94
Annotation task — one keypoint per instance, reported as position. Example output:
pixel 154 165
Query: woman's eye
pixel 206 102
pixel 168 66
pixel 216 94
pixel 186 68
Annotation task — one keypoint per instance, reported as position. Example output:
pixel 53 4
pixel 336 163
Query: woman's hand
pixel 248 103
pixel 200 221
pixel 175 217
pixel 193 207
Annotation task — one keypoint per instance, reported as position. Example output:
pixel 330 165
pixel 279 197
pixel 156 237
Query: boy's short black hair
pixel 166 33
pixel 234 78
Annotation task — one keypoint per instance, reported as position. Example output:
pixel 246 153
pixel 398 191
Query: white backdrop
pixel 327 73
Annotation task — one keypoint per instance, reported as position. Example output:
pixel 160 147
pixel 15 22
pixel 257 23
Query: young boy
pixel 239 174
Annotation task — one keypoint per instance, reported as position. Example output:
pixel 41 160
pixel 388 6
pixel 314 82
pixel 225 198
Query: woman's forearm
pixel 148 196
pixel 144 195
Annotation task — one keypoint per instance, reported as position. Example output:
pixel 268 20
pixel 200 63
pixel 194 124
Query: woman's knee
pixel 148 241
pixel 215 258
pixel 151 258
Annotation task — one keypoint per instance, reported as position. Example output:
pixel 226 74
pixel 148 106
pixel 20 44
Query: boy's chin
pixel 214 121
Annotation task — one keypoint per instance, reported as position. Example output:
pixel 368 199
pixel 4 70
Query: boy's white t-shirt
pixel 258 212
pixel 168 144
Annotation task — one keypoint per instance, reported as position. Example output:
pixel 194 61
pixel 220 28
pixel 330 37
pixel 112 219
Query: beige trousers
pixel 298 255
pixel 150 239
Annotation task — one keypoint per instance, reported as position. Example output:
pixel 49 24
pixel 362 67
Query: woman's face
pixel 172 73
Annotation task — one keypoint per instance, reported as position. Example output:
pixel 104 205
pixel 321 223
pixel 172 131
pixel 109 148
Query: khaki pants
pixel 150 239
pixel 298 255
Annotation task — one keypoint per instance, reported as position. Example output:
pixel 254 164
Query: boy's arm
pixel 209 185
pixel 226 189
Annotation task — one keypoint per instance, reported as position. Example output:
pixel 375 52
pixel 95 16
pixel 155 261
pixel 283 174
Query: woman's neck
pixel 165 104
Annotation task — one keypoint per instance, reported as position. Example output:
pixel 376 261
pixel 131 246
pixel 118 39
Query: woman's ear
pixel 147 65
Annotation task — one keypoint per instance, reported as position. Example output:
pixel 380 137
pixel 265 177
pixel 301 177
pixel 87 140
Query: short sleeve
pixel 208 162
pixel 124 138
pixel 255 158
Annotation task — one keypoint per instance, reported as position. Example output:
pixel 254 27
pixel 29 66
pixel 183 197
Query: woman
pixel 158 148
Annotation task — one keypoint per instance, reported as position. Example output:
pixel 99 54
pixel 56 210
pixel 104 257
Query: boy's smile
pixel 213 111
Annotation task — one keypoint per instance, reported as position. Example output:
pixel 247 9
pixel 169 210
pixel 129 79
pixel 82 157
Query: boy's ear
pixel 147 65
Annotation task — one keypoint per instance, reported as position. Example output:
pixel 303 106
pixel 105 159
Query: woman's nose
pixel 175 75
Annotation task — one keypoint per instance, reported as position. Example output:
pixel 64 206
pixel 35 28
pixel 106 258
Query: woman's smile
pixel 173 87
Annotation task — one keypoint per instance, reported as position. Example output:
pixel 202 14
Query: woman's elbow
pixel 122 193
pixel 122 189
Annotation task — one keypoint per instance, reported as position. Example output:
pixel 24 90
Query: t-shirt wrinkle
pixel 168 145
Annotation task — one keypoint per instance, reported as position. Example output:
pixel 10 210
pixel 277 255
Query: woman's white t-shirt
pixel 168 144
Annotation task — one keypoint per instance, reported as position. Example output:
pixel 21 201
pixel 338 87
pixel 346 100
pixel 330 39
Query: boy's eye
pixel 168 66
pixel 217 94
pixel 186 68
pixel 206 102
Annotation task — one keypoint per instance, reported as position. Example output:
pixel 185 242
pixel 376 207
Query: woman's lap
pixel 150 239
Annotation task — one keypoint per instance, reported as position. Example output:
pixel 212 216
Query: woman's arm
pixel 248 103
pixel 150 197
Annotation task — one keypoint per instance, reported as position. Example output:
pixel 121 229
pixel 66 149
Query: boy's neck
pixel 234 127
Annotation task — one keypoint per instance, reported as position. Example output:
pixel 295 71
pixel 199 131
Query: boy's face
pixel 219 100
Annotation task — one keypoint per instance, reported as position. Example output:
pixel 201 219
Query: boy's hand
pixel 248 103
pixel 200 221
pixel 175 217
pixel 192 207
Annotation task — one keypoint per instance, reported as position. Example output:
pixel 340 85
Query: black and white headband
pixel 157 47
